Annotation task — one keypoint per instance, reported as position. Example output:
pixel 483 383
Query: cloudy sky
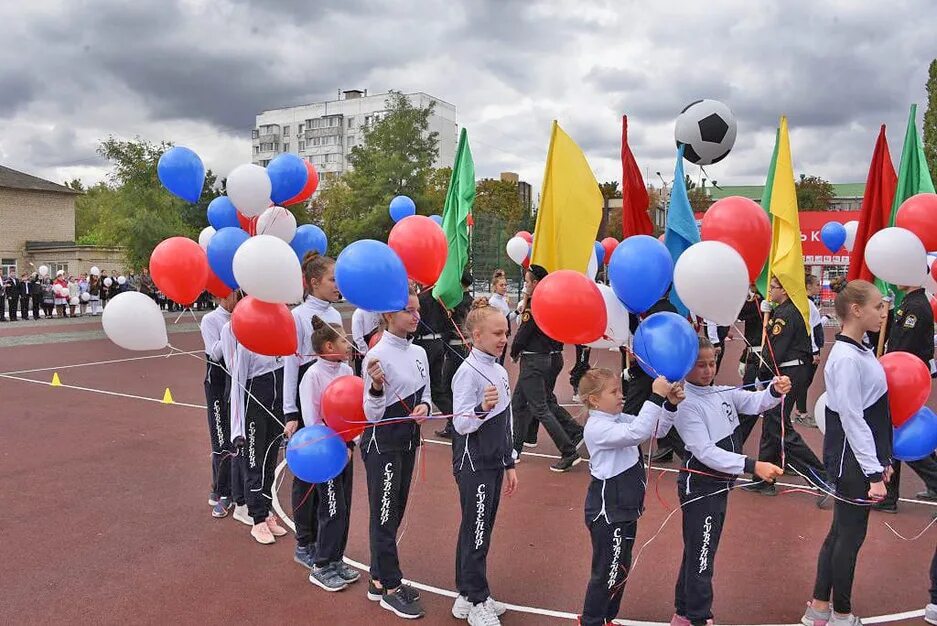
pixel 196 72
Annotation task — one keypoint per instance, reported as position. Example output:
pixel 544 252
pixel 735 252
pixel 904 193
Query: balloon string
pixel 464 359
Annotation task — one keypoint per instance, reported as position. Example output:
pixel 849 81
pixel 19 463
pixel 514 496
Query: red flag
pixel 634 200
pixel 876 206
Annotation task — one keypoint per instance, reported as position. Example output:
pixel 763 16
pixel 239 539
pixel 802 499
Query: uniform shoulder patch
pixel 777 328
pixel 910 321
pixel 526 316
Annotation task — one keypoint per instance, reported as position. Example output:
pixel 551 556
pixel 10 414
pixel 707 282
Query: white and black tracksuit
pixel 708 423
pixel 304 497
pixel 334 496
pixel 389 450
pixel 217 392
pixel 615 499
pixel 364 325
pixel 856 451
pixel 256 419
pixel 482 447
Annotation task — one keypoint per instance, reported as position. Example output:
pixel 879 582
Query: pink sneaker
pixel 274 526
pixel 261 533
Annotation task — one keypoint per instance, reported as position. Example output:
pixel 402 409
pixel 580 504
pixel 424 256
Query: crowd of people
pixel 428 361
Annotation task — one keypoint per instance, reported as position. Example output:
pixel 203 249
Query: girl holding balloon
pixel 857 449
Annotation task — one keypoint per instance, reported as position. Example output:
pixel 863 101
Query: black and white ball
pixel 707 130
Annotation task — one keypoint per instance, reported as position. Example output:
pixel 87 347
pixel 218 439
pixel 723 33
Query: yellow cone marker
pixel 55 380
pixel 167 397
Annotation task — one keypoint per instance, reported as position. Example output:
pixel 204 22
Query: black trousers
pixel 455 356
pixel 262 433
pixel 836 564
pixel 704 514
pixel 571 426
pixel 435 359
pixel 239 477
pixel 3 308
pixel 479 496
pixel 36 299
pixel 797 453
pixel 801 398
pixel 334 516
pixel 583 353
pixel 531 399
pixel 24 307
pixel 721 332
pixel 304 497
pixel 389 476
pixel 611 562
pixel 13 303
pixel 926 468
pixel 637 393
pixel 219 430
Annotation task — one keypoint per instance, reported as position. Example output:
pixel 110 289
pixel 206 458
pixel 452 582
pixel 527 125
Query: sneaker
pixel 578 440
pixel 219 510
pixel 305 556
pixel 241 515
pixel 662 455
pixel 844 620
pixel 411 593
pixel 885 508
pixel 530 444
pixel 576 398
pixel 461 607
pixel 327 578
pixel 498 608
pixel 927 496
pixel 374 592
pixel 679 620
pixel 261 532
pixel 808 420
pixel 481 615
pixel 813 617
pixel 930 614
pixel 400 604
pixel 445 433
pixel 347 572
pixel 566 463
pixel 760 486
pixel 274 526
pixel 212 499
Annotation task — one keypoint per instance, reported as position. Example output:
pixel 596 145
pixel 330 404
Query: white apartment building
pixel 325 132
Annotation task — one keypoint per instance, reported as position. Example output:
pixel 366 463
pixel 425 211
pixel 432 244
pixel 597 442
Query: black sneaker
pixel 410 592
pixel 327 578
pixel 662 455
pixel 885 508
pixel 347 572
pixel 305 556
pixel 566 463
pixel 445 433
pixel 927 496
pixel 760 486
pixel 402 605
pixel 374 592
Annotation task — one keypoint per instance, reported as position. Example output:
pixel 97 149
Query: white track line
pixel 108 393
pixel 136 358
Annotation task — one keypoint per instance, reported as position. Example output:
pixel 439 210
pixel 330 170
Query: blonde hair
pixel 481 310
pixel 593 382
pixel 854 292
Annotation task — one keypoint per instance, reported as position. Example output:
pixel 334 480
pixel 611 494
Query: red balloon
pixel 375 338
pixel 341 406
pixel 248 224
pixel 421 245
pixel 560 294
pixel 525 236
pixel 215 286
pixel 312 183
pixel 908 381
pixel 933 304
pixel 179 268
pixel 742 224
pixel 609 244
pixel 264 327
pixel 919 215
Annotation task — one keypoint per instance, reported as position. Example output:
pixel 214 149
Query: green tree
pixel 930 121
pixel 437 185
pixel 499 198
pixel 610 189
pixel 814 193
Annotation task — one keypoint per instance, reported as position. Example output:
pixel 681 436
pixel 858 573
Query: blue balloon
pixel 316 454
pixel 401 207
pixel 222 214
pixel 916 438
pixel 599 253
pixel 221 248
pixel 833 235
pixel 309 237
pixel 181 171
pixel 666 345
pixel 640 271
pixel 288 175
pixel 436 218
pixel 372 277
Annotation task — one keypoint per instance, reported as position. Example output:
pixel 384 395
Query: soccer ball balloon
pixel 707 130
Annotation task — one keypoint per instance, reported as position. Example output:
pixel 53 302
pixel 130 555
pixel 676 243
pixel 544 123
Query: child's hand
pixel 290 428
pixel 376 373
pixel 510 485
pixel 768 472
pixel 676 395
pixel 490 399
pixel 661 387
pixel 420 412
pixel 877 491
pixel 782 384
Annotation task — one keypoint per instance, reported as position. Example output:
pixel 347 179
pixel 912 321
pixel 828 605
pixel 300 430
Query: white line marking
pixel 108 393
pixel 136 358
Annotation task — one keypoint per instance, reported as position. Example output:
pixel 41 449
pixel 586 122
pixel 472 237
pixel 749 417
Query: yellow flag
pixel 787 256
pixel 570 208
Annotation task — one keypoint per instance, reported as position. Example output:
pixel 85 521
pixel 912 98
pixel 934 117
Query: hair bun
pixel 480 303
pixel 317 323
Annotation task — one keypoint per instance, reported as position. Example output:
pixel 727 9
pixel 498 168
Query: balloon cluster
pixel 518 248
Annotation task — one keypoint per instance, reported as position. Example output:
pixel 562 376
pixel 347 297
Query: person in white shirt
pixel 364 326
pixel 499 300
pixel 817 340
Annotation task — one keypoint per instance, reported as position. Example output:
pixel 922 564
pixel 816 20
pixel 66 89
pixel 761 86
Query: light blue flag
pixel 682 231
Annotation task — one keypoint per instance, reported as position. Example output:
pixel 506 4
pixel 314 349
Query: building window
pixel 351 141
pixel 7 265
pixel 256 149
pixel 255 133
pixel 302 127
pixel 351 121
pixel 286 146
pixel 302 145
pixel 286 130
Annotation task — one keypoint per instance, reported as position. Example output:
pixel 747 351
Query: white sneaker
pixel 930 614
pixel 241 515
pixel 261 533
pixel 481 615
pixel 576 398
pixel 461 608
pixel 496 607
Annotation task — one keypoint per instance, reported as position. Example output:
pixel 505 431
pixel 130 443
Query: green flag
pixel 459 200
pixel 762 282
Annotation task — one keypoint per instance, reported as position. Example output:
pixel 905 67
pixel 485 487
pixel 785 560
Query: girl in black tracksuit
pixel 856 448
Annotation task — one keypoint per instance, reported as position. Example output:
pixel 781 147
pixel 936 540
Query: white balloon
pixel 43 270
pixel 593 265
pixel 617 330
pixel 819 412
pixel 108 281
pixel 278 222
pixel 85 296
pixel 267 268
pixel 851 228
pixel 712 280
pixel 205 236
pixel 121 280
pixel 517 249
pixel 133 321
pixel 249 189
pixel 930 285
pixel 95 271
pixel 74 301
pixel 897 256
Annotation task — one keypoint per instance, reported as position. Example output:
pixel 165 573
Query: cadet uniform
pixel 456 351
pixel 751 316
pixel 717 337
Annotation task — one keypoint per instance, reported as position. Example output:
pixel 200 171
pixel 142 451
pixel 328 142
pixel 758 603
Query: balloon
pixel 401 207
pixel 74 301
pixel 712 280
pixel 288 176
pixel 919 215
pixel 121 280
pixel 267 268
pixel 316 454
pixel 833 235
pixel 933 305
pixel 264 327
pixel 421 245
pixel 908 380
pixel 108 282
pixel 248 224
pixel 221 213
pixel 205 236
pixel 341 406
pixel 640 272
pixel 897 256
pixel 43 270
pixel 249 189
pixel 85 296
pixel 372 277
pixel 851 227
pixel 819 412
pixel 525 236
pixel 517 249
pixel 917 437
pixel 221 251
pixel 375 338
pixel 215 286
pixel 95 271
pixel 609 244
pixel 593 267
pixel 562 292
pixel 181 171
pixel 133 321
pixel 179 268
pixel 599 252
pixel 617 329
pixel 436 218
pixel 743 225
pixel 309 237
pixel 278 222
pixel 930 280
pixel 666 345
pixel 312 183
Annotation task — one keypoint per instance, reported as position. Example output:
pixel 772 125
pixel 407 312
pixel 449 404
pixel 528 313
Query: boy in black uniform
pixel 750 362
pixel 456 350
pixel 913 331
pixel 429 336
